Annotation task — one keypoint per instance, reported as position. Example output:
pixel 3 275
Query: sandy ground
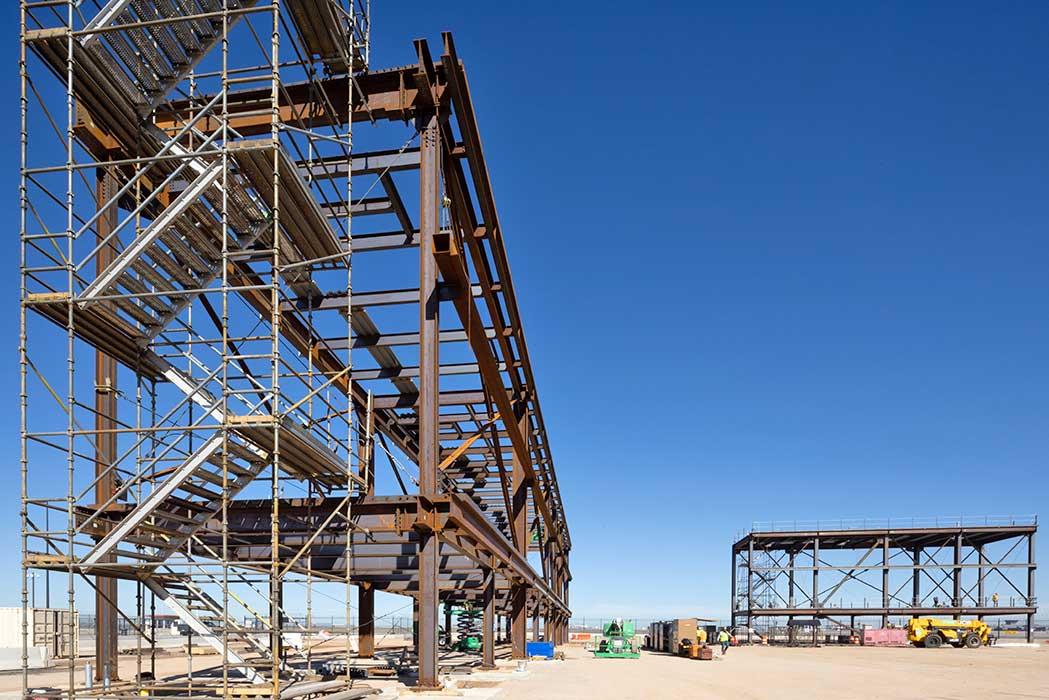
pixel 779 673
pixel 745 673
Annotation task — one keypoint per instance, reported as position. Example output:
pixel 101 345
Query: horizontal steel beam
pixel 362 207
pixel 445 398
pixel 396 240
pixel 396 339
pixel 410 372
pixel 363 300
pixel 374 163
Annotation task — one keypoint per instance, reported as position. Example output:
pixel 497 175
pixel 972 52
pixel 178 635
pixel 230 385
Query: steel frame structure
pixel 940 570
pixel 189 177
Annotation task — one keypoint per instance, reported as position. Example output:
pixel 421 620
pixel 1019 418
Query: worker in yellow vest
pixel 723 639
pixel 701 637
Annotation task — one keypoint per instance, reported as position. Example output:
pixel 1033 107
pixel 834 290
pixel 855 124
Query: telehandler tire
pixel 933 641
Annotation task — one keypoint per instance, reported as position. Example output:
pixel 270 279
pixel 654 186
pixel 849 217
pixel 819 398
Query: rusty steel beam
pixel 453 270
pixel 460 97
pixel 106 632
pixel 382 95
pixel 519 523
pixel 429 389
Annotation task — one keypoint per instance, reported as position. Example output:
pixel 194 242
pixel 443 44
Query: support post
pixel 790 579
pixel 429 388
pixel 519 522
pixel 106 657
pixel 365 621
pixel 535 624
pixel 1031 599
pixel 448 625
pixel 885 581
pixel 750 588
pixel 980 601
pixel 816 576
pixel 732 582
pixel 916 580
pixel 488 621
pixel 956 594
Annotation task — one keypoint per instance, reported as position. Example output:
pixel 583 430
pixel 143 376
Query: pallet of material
pixel 887 637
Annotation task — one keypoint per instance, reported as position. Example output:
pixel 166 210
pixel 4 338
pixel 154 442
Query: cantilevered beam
pixel 453 271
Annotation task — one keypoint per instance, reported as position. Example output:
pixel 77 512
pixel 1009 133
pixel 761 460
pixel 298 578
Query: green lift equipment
pixel 617 641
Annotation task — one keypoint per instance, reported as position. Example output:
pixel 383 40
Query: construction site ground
pixel 745 673
pixel 783 673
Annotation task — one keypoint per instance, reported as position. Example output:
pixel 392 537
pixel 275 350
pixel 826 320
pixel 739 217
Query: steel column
pixel 448 624
pixel 488 621
pixel 750 587
pixel 106 654
pixel 519 522
pixel 916 579
pixel 885 579
pixel 1031 600
pixel 429 367
pixel 365 621
pixel 816 575
pixel 979 579
pixel 956 594
pixel 732 582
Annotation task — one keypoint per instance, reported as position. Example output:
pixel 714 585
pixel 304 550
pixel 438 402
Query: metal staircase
pixel 204 615
pixel 197 208
pixel 182 503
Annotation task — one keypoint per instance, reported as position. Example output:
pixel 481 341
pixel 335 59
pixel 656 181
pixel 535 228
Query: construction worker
pixel 723 639
pixel 994 599
pixel 701 636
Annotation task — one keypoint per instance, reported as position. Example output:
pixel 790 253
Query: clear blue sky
pixel 774 262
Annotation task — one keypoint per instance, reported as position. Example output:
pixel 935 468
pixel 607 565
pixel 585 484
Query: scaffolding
pixel 189 177
pixel 842 572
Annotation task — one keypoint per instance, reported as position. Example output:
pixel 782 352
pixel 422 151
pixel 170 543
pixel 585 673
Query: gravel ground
pixel 779 673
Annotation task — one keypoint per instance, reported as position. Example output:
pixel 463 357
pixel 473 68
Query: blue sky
pixel 773 262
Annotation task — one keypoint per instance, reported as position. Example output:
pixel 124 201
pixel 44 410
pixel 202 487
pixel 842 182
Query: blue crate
pixel 543 649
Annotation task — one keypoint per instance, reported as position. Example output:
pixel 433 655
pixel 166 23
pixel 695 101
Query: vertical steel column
pixel 916 580
pixel 956 594
pixel 415 625
pixel 732 605
pixel 448 624
pixel 429 428
pixel 791 556
pixel 488 621
pixel 105 443
pixel 277 620
pixel 816 576
pixel 750 578
pixel 519 522
pixel 535 624
pixel 885 581
pixel 365 591
pixel 1031 599
pixel 365 621
pixel 980 602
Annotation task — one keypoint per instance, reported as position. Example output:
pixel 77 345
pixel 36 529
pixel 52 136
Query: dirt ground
pixel 780 673
pixel 745 673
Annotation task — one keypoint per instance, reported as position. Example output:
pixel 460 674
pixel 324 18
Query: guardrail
pixel 894 523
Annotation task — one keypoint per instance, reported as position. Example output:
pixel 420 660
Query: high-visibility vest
pixel 723 636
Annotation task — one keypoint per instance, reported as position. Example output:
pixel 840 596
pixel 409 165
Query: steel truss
pixel 189 181
pixel 840 575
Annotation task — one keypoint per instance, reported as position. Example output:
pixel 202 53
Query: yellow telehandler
pixel 932 633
